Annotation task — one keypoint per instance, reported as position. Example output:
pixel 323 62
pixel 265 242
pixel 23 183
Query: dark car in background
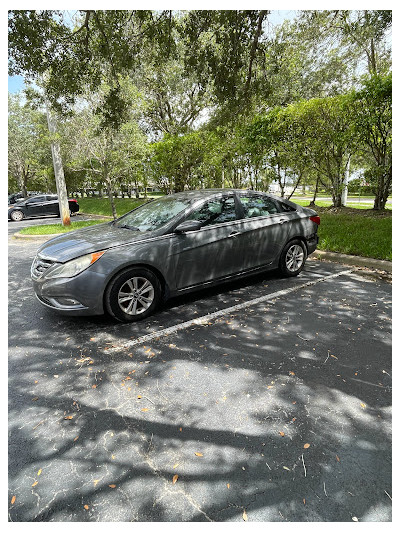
pixel 41 205
pixel 172 245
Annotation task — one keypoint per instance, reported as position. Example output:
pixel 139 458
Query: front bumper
pixel 80 295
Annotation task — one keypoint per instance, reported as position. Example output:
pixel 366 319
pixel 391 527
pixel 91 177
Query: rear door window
pixel 258 206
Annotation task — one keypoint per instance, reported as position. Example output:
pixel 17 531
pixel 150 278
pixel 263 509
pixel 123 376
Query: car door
pixel 263 229
pixel 35 206
pixel 211 252
pixel 52 207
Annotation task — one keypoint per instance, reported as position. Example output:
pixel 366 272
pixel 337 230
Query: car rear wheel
pixel 133 294
pixel 293 258
pixel 16 216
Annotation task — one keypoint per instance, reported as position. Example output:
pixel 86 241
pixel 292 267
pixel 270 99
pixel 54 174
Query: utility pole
pixel 58 169
pixel 345 183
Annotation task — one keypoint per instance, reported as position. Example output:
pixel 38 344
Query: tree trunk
pixel 312 203
pixel 111 198
pixel 58 171
pixel 345 183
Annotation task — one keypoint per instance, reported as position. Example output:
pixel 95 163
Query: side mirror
pixel 188 225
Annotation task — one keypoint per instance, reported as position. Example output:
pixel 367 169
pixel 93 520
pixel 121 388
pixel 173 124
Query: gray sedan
pixel 175 244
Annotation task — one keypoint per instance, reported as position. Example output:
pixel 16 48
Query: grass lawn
pixel 49 229
pixel 328 203
pixel 367 236
pixel 101 206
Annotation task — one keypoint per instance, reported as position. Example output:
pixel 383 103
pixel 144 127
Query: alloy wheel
pixel 135 296
pixel 294 258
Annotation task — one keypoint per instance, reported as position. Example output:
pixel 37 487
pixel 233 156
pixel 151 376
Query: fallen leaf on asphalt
pixel 139 396
pixel 112 486
pixel 175 465
pixel 286 468
pixel 199 454
pixel 76 438
pixel 180 429
pixel 34 484
pixel 334 356
pixel 93 339
pixel 96 481
pixel 306 445
pixel 94 386
pixel 228 485
pixel 281 433
pixel 70 417
pixel 245 517
pixel 13 500
pixel 175 479
pixel 337 459
pixel 304 501
pixel 39 472
pixel 292 373
pixel 35 399
pixel 363 405
pixel 86 507
pixel 294 403
pixel 145 409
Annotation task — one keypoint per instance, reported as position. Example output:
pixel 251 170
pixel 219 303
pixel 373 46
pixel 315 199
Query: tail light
pixel 316 219
pixel 72 200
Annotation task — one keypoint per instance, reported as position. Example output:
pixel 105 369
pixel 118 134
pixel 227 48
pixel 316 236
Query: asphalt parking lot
pixel 217 408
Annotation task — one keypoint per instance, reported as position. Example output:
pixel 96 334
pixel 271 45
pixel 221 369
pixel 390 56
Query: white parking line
pixel 155 335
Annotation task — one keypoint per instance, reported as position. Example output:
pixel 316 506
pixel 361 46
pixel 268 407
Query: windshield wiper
pixel 126 226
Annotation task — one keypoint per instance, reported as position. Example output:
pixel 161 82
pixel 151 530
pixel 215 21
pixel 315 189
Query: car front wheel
pixel 16 216
pixel 133 294
pixel 293 258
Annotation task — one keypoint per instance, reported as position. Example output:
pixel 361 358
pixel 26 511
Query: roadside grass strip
pixel 204 320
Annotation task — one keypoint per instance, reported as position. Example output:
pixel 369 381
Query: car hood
pixel 87 240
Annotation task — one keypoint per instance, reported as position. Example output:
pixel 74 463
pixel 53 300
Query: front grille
pixel 40 265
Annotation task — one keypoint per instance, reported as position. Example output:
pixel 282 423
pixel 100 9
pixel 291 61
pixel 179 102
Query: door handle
pixel 282 220
pixel 234 234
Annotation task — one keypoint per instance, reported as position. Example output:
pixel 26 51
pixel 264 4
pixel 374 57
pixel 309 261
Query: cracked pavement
pixel 277 412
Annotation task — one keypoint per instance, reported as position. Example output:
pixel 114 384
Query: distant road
pixel 352 200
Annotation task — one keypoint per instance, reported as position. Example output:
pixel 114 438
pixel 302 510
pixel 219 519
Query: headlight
pixel 74 267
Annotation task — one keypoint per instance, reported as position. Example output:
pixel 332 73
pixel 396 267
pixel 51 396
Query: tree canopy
pixel 187 99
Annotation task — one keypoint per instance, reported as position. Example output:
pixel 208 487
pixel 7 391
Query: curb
pixel 356 260
pixel 36 237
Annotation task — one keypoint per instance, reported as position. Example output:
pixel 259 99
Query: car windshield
pixel 153 215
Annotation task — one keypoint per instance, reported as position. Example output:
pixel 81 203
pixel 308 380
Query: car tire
pixel 17 216
pixel 293 258
pixel 133 295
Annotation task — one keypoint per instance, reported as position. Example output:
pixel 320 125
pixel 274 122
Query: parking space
pixel 275 411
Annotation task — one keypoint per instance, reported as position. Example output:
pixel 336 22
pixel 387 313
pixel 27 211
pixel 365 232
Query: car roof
pixel 203 193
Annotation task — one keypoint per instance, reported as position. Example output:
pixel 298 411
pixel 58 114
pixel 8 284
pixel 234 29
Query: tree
pixel 373 127
pixel 28 155
pixel 360 34
pixel 328 140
